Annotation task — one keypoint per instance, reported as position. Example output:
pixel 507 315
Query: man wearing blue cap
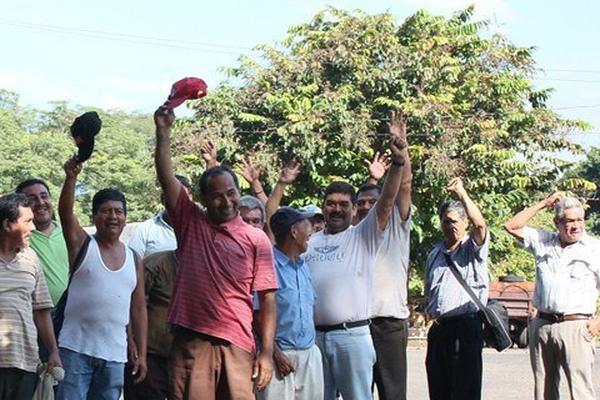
pixel 297 359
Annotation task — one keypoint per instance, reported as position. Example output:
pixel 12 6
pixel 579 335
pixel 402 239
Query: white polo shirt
pixel 342 268
pixel 567 278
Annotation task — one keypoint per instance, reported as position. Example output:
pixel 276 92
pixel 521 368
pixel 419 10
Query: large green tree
pixel 323 96
pixel 36 143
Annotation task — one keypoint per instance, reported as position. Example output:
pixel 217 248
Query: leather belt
pixel 344 325
pixel 557 318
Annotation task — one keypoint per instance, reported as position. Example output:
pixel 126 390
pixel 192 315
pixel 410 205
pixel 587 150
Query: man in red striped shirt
pixel 222 261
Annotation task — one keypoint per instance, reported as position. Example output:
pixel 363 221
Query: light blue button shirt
pixel 445 296
pixel 152 236
pixel 295 299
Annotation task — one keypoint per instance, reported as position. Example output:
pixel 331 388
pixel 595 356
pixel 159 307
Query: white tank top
pixel 97 309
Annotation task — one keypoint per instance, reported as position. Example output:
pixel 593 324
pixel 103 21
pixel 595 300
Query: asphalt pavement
pixel 506 376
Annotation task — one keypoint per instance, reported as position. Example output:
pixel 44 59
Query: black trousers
pixel 390 337
pixel 156 384
pixel 16 384
pixel 453 361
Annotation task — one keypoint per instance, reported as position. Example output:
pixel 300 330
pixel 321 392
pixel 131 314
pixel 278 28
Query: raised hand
pixel 397 125
pixel 456 186
pixel 289 173
pixel 553 199
pixel 377 167
pixel 249 171
pixel 72 168
pixel 209 153
pixel 398 148
pixel 164 117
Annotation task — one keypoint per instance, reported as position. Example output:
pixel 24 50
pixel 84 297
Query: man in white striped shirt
pixel 25 303
pixel 566 290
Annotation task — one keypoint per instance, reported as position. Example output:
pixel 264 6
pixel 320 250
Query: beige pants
pixel 306 383
pixel 568 345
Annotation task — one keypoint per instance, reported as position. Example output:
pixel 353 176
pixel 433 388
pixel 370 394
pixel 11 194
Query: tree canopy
pixel 323 96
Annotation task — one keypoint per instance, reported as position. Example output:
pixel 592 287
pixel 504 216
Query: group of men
pixel 237 297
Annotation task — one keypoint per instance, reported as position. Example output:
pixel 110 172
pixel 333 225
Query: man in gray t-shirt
pixel 455 340
pixel 389 312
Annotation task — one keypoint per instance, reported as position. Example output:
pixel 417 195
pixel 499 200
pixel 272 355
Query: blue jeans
pixel 348 359
pixel 89 378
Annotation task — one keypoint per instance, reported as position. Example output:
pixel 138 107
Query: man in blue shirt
pixel 299 369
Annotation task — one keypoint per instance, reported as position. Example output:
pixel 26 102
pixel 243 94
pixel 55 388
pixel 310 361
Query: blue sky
pixel 43 65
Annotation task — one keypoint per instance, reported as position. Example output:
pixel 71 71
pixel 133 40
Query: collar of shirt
pixel 160 220
pixel 282 259
pixel 55 231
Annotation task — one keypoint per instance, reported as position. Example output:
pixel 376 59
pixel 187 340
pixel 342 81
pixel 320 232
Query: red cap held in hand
pixel 186 89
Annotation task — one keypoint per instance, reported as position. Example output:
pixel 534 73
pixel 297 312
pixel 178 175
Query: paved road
pixel 506 376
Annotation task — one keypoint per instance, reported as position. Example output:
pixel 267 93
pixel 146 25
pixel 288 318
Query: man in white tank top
pixel 106 294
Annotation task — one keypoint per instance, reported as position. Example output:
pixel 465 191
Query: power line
pixel 127 38
pixel 567 80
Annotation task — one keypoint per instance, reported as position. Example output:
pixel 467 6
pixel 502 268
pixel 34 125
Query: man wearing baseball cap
pixel 298 364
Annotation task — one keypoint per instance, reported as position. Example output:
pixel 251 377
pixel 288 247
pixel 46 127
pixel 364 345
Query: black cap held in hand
pixel 84 129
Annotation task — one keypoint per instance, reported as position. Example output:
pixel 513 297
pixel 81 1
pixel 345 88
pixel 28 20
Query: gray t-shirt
pixel 342 268
pixel 391 270
pixel 445 296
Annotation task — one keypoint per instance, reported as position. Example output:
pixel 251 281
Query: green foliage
pixel 323 95
pixel 36 144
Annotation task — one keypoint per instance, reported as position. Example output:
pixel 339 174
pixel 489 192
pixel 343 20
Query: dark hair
pixel 31 182
pixel 452 205
pixel 9 206
pixel 108 194
pixel 368 187
pixel 341 187
pixel 184 181
pixel 215 171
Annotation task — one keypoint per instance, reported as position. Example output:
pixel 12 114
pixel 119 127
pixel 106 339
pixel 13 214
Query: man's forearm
pixel 384 205
pixel 267 321
pixel 67 199
pixel 473 212
pixel 43 323
pixel 162 157
pixel 140 329
pixel 257 190
pixel 520 220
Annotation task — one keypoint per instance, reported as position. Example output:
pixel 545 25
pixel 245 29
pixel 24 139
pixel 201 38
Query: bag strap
pixel 79 258
pixel 462 281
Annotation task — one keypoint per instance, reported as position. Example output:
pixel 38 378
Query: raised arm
pixel 209 154
pixel 252 175
pixel 515 225
pixel 386 201
pixel 479 227
pixel 163 119
pixel 72 231
pixel 287 176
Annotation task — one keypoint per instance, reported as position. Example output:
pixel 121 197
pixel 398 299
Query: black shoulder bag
pixel 494 315
pixel 58 313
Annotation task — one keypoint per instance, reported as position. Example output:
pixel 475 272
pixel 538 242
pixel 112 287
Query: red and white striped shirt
pixel 220 266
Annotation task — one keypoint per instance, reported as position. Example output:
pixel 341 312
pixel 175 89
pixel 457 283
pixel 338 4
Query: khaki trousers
pixel 565 344
pixel 306 383
pixel 207 368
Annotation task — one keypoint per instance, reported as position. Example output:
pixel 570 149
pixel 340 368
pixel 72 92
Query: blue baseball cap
pixel 281 222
